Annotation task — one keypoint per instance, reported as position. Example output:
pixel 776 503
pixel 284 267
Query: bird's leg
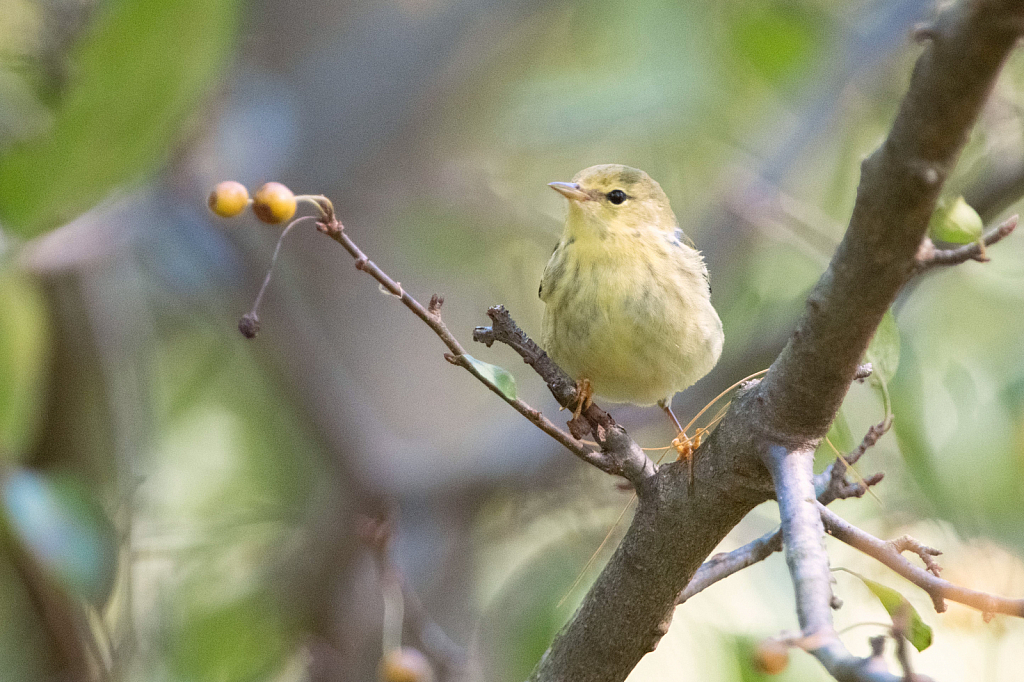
pixel 683 444
pixel 584 397
pixel 671 415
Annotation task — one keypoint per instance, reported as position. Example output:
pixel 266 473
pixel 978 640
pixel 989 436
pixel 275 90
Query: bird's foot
pixel 685 447
pixel 584 397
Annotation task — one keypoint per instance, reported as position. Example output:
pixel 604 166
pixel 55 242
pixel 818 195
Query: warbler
pixel 627 298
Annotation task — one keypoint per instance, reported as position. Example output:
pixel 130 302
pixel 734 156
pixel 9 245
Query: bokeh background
pixel 180 503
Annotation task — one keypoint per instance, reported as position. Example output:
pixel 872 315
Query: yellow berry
pixel 771 656
pixel 405 665
pixel 273 203
pixel 228 199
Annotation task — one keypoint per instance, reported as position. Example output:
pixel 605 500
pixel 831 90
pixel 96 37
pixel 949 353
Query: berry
pixel 228 199
pixel 249 325
pixel 771 656
pixel 273 203
pixel 405 665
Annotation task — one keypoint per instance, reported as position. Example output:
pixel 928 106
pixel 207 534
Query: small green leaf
pixel 63 527
pixel 884 351
pixel 499 376
pixel 955 222
pixel 919 634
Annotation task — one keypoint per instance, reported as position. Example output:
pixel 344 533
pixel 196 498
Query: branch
pixel 793 407
pixel 928 256
pixel 832 482
pixel 938 589
pixel 723 565
pixel 900 183
pixel 808 564
pixel 614 441
pixel 432 317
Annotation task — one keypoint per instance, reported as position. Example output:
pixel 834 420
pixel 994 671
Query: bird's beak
pixel 569 190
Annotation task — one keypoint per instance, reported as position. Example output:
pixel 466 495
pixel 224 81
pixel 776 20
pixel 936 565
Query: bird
pixel 627 296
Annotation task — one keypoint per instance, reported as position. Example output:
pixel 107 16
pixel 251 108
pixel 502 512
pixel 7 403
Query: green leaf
pixel 24 347
pixel 141 70
pixel 954 221
pixel 499 376
pixel 884 351
pixel 234 642
pixel 919 634
pixel 63 527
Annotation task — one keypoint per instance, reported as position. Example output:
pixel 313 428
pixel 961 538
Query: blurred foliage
pixel 436 124
pixel 136 78
pixel 59 521
pixel 24 345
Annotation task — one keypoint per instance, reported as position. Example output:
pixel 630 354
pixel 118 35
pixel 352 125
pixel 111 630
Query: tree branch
pixel 626 467
pixel 615 443
pixel 830 488
pixel 777 423
pixel 938 589
pixel 928 256
pixel 808 564
pixel 723 565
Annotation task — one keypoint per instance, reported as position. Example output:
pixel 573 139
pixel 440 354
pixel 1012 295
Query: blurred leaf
pixel 778 41
pixel 884 351
pixel 918 634
pixel 499 376
pixel 238 641
pixel 911 433
pixel 954 221
pixel 142 69
pixel 24 346
pixel 839 435
pixel 63 527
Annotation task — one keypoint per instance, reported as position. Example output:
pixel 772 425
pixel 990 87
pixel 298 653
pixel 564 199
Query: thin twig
pixel 608 463
pixel 937 588
pixel 928 256
pixel 723 565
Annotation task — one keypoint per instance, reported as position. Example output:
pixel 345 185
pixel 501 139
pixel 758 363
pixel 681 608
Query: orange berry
pixel 405 665
pixel 228 199
pixel 771 656
pixel 273 203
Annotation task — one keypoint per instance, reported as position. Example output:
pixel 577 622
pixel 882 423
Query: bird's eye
pixel 616 196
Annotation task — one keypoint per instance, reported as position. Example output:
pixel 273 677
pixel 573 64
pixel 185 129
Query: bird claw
pixel 686 446
pixel 584 397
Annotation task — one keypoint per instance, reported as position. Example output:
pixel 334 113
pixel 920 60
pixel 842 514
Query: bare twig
pixel 832 482
pixel 927 554
pixel 937 588
pixel 723 565
pixel 928 256
pixel 610 436
pixel 808 564
pixel 450 658
pixel 625 466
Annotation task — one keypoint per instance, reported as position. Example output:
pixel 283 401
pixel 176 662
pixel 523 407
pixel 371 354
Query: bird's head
pixel 614 199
